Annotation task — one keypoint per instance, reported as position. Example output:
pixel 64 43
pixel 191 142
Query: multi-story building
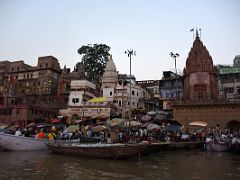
pixel 171 88
pixel 29 92
pixel 229 80
pixel 151 94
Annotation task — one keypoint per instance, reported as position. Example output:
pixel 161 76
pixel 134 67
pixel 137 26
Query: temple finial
pixel 197 36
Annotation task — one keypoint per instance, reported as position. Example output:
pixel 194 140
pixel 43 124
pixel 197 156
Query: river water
pixel 190 164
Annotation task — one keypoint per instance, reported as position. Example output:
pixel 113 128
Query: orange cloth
pixel 52 136
pixel 41 135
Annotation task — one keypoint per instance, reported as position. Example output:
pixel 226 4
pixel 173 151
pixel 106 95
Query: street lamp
pixel 174 56
pixel 130 52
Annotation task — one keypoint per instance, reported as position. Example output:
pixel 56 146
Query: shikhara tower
pixel 200 80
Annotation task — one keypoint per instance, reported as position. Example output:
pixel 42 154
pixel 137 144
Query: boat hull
pixel 114 151
pixel 168 146
pixel 20 143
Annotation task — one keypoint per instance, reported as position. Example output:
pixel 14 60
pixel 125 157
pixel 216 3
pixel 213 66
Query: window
pixel 137 93
pixel 75 100
pixel 133 92
pixel 18 110
pixel 120 103
pixel 111 93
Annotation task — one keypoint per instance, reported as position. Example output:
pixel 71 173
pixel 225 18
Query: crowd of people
pixel 128 134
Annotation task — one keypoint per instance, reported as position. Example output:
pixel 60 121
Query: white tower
pixel 109 80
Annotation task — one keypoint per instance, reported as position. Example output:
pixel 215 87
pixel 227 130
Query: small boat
pixel 169 146
pixel 21 143
pixel 97 150
pixel 218 146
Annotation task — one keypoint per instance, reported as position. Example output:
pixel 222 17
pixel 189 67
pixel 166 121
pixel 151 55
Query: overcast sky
pixel 30 29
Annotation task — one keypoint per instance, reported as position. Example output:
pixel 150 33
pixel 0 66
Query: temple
pixel 200 80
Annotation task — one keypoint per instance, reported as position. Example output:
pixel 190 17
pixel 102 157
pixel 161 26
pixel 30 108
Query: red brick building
pixel 29 93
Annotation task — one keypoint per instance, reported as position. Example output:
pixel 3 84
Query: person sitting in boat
pixel 52 134
pixel 18 132
pixel 41 134
pixel 26 132
pixel 109 140
pixel 120 136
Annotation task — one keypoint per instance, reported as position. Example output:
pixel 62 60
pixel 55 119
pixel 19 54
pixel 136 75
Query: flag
pixel 191 30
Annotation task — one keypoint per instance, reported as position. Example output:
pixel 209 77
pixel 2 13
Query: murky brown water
pixel 178 165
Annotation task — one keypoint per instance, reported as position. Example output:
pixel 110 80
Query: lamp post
pixel 174 56
pixel 130 52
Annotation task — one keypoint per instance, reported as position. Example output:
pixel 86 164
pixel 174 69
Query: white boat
pixel 21 143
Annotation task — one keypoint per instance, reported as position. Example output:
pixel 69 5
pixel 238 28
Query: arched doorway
pixel 234 125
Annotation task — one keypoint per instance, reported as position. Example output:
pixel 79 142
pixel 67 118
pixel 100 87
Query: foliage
pixel 94 59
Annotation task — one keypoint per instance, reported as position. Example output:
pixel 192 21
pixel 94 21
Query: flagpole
pixel 193 34
pixel 192 30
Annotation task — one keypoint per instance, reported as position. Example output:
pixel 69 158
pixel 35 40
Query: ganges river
pixel 193 164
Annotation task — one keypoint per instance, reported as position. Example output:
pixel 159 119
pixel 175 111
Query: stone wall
pixel 213 114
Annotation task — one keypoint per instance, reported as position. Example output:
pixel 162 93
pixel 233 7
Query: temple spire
pixel 197 33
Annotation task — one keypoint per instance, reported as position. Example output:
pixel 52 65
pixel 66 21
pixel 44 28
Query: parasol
pixel 99 128
pixel 133 124
pixel 73 128
pixel 146 118
pixel 117 122
pixel 153 126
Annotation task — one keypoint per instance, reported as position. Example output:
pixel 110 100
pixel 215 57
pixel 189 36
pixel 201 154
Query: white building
pixel 229 80
pixel 81 91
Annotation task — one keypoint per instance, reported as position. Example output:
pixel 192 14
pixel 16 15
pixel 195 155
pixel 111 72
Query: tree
pixel 94 59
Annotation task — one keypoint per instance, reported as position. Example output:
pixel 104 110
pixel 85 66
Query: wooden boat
pixel 21 143
pixel 97 150
pixel 168 146
pixel 218 146
pixel 183 145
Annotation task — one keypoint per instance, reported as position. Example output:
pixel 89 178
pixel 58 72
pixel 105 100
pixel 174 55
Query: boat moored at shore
pixel 21 143
pixel 98 150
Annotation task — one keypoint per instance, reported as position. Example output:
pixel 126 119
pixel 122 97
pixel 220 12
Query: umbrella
pixel 153 126
pixel 73 128
pixel 133 124
pixel 174 128
pixel 160 117
pixel 152 113
pixel 3 126
pixel 146 118
pixel 99 128
pixel 198 123
pixel 55 120
pixel 78 121
pixel 117 122
pixel 41 125
pixel 31 124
